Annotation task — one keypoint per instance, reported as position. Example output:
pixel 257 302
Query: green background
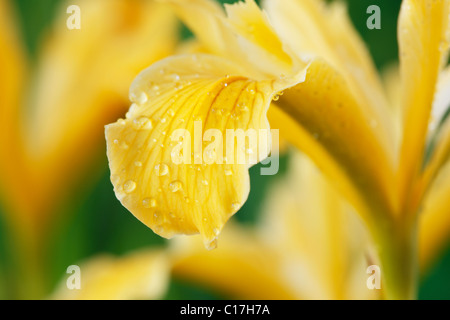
pixel 99 223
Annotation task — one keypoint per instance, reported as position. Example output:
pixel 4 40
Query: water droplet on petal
pixel 228 172
pixel 175 186
pixel 149 202
pixel 205 182
pixel 161 169
pixel 216 231
pixel 212 245
pixel 143 123
pixel 138 164
pixel 129 186
pixel 142 98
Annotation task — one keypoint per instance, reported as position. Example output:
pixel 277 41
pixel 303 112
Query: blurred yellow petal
pixel 200 191
pixel 423 44
pixel 439 145
pixel 140 275
pixel 14 176
pixel 241 267
pixel 312 28
pixel 434 226
pixel 309 246
pixel 323 245
pixel 335 133
pixel 82 83
pixel 241 33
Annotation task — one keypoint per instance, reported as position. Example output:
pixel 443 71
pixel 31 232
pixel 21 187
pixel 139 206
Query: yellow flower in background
pixel 143 274
pixel 333 108
pixel 53 112
pixel 308 245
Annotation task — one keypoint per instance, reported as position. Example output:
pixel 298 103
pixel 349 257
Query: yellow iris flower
pixel 333 108
pixel 53 112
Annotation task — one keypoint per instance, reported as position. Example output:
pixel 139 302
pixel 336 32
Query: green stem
pixel 29 272
pixel 397 251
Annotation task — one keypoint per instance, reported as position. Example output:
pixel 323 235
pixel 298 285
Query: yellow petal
pixel 14 173
pixel 434 227
pixel 322 244
pixel 335 133
pixel 312 28
pixel 242 34
pixel 423 43
pixel 242 267
pixel 82 82
pixel 199 192
pixel 140 275
pixel 439 132
pixel 309 246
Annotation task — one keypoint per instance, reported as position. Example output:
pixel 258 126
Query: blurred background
pixel 97 223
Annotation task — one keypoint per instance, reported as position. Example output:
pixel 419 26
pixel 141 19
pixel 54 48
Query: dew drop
pixel 175 186
pixel 212 245
pixel 228 172
pixel 149 202
pixel 143 123
pixel 129 186
pixel 142 98
pixel 205 182
pixel 161 169
pixel 138 164
pixel 216 231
